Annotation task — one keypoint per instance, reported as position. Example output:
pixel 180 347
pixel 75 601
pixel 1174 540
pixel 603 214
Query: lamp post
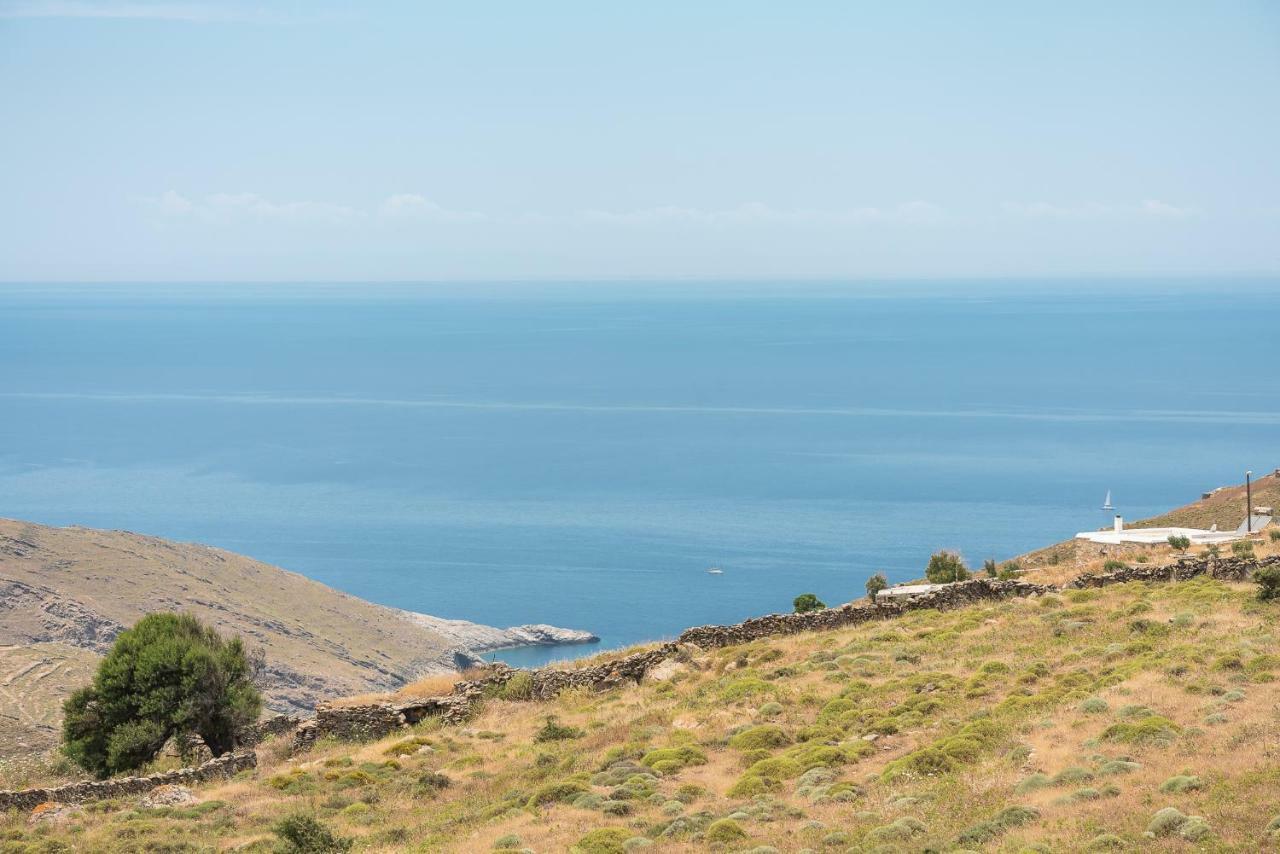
pixel 1248 498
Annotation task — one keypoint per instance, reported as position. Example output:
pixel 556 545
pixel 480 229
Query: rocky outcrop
pixel 477 638
pixel 224 766
pixel 34 614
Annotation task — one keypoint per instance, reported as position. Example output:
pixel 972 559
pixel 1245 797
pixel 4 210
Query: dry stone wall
pixel 378 720
pixel 222 767
pixel 1229 568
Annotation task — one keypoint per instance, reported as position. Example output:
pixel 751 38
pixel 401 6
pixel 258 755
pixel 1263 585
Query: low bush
pixel 555 793
pixel 1181 783
pixel 552 730
pixel 604 840
pixel 1242 548
pixel 761 737
pixel 724 831
pixel 1149 729
pixel 807 602
pixel 1268 580
pixel 304 834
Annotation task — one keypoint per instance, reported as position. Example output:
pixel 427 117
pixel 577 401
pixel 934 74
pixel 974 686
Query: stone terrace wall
pixel 220 768
pixel 1230 568
pixel 377 720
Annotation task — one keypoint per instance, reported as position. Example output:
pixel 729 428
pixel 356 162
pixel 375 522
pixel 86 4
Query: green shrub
pixel 673 758
pixel 1268 580
pixel 1181 783
pixel 553 731
pixel 506 843
pixel 1114 565
pixel 750 785
pixel 1118 766
pixel 725 831
pixel 168 675
pixel 1166 821
pixel 875 584
pixel 1274 535
pixel 990 568
pixel 1106 842
pixel 431 782
pixel 554 793
pixel 604 840
pixel 518 687
pixel 1179 542
pixel 1030 784
pixel 899 831
pixel 761 737
pixel 304 834
pixel 945 567
pixel 770 710
pixel 1149 729
pixel 1010 569
pixel 807 602
pixel 1242 548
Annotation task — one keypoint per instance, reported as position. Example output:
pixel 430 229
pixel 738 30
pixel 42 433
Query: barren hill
pixel 66 592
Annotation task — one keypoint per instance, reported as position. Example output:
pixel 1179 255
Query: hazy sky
pixel 245 141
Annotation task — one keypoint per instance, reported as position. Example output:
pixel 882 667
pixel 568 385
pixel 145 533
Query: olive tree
pixel 168 675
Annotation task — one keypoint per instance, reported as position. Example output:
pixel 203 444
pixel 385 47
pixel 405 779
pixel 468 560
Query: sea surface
pixel 580 454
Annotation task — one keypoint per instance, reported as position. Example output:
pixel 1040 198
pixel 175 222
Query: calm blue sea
pixel 581 454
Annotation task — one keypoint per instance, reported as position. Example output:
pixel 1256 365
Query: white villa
pixel 1151 536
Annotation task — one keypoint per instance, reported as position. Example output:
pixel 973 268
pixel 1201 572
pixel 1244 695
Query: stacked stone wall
pixel 220 768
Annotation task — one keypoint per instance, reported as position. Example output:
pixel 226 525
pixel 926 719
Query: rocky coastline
pixel 477 638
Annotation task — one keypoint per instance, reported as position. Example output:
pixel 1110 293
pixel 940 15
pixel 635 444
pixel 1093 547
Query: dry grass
pixel 1191 652
pixel 428 686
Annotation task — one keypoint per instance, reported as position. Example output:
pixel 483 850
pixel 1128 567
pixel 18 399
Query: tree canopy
pixel 168 675
pixel 945 567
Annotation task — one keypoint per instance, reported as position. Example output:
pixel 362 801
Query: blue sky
pixel 392 141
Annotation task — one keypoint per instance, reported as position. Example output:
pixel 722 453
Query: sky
pixel 383 141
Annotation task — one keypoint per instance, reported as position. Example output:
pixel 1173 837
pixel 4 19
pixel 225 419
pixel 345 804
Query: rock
pixel 169 796
pixel 189 748
pixel 54 813
pixel 477 638
pixel 665 670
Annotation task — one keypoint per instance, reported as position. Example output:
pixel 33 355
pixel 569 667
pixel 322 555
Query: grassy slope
pixel 321 642
pixel 973 702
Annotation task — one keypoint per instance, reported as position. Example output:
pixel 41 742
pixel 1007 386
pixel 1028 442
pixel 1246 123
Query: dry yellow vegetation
pixel 1133 717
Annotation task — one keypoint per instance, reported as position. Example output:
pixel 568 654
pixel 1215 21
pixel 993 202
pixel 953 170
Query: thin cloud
pixel 411 206
pixel 187 12
pixel 232 207
pixel 1151 208
pixel 758 213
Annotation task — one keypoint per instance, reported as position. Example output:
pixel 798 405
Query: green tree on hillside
pixel 1179 542
pixel 808 602
pixel 168 675
pixel 875 584
pixel 945 567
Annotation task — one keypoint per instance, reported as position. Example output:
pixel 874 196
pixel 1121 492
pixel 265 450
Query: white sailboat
pixel 1106 504
pixel 715 570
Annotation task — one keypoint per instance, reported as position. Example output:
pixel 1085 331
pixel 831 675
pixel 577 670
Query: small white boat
pixel 715 570
pixel 1106 504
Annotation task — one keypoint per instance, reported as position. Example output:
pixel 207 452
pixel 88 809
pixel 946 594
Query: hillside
pixel 66 592
pixel 1226 508
pixel 1077 721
